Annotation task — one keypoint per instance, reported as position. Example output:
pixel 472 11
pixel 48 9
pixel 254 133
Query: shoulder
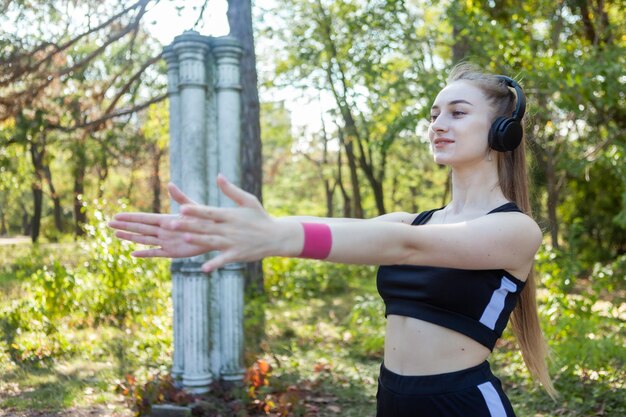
pixel 514 220
pixel 512 229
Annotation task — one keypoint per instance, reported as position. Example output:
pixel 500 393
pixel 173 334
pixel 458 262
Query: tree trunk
pixel 329 192
pixel 375 183
pixel 344 193
pixel 56 200
pixel 80 167
pixel 103 173
pixel 240 21
pixel 585 14
pixel 379 196
pixel 155 180
pixel 37 153
pixel 3 224
pixel 26 223
pixel 25 220
pixel 357 208
pixel 460 47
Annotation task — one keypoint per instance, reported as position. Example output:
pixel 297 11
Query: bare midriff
pixel 416 347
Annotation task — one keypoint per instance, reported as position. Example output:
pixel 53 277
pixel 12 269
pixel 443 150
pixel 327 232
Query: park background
pixel 345 89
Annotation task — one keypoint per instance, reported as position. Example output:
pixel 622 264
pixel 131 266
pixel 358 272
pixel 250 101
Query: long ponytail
pixel 525 319
pixel 513 180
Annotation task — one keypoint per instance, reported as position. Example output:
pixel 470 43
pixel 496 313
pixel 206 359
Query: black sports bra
pixel 476 303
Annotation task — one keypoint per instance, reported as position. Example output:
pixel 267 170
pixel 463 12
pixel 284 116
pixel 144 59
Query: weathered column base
pixel 231 309
pixel 197 375
pixel 167 410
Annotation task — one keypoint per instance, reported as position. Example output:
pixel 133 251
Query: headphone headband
pixel 520 105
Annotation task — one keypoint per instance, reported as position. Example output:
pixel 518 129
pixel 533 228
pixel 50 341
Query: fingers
pixel 144 240
pixel 178 195
pixel 217 262
pixel 209 242
pixel 215 214
pixel 140 228
pixel 146 218
pixel 192 225
pixel 240 197
pixel 150 253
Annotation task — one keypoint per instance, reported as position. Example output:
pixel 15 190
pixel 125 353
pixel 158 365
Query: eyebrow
pixel 453 102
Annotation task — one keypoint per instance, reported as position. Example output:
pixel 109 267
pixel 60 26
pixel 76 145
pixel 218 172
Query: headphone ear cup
pixel 505 134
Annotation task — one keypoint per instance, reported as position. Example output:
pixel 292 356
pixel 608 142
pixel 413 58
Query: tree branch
pixel 113 115
pixel 130 82
pixel 19 72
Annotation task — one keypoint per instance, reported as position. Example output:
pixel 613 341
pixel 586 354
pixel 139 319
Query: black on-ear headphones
pixel 506 132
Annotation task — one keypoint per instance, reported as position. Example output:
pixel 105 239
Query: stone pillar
pixel 191 50
pixel 230 283
pixel 176 177
pixel 204 91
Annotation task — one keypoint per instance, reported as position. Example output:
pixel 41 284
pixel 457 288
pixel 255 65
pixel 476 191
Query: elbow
pixel 408 253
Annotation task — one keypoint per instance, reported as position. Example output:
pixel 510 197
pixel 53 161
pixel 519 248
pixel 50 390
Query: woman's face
pixel 459 124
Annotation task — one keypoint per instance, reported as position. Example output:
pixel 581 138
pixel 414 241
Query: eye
pixel 433 117
pixel 458 113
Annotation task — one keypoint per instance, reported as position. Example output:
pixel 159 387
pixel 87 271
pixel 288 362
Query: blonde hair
pixel 513 181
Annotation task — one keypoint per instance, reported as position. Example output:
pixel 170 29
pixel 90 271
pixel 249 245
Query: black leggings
pixel 473 392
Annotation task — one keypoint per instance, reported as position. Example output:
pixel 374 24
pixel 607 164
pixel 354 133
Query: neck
pixel 475 188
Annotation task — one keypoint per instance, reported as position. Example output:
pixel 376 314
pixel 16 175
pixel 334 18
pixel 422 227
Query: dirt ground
pixel 72 412
pixel 14 241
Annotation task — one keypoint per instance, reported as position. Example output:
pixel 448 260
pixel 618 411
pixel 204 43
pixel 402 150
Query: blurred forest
pixel 84 131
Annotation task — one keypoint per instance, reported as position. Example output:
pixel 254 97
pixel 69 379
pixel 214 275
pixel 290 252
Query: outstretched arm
pixel 244 233
pixel 159 230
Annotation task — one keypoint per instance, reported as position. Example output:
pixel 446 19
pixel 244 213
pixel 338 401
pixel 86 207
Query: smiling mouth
pixel 442 141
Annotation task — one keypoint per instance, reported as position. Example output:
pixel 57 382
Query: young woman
pixel 450 277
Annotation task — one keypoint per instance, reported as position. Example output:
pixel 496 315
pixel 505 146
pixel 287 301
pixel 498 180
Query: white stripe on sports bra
pixel 496 304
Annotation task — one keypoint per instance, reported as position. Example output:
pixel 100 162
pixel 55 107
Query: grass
pixel 310 343
pixel 83 380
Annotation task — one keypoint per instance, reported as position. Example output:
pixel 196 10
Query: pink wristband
pixel 318 240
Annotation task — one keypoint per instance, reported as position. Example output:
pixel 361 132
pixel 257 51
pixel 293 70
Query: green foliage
pixel 107 286
pixel 367 326
pixel 39 348
pixel 121 286
pixel 609 280
pixel 590 213
pixel 557 268
pixel 582 318
pixel 291 278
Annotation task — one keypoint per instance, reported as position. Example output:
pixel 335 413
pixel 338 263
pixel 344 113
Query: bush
pixel 366 324
pixel 610 280
pixel 120 287
pixel 290 278
pixel 104 285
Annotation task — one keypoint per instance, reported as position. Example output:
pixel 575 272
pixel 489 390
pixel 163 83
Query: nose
pixel 438 125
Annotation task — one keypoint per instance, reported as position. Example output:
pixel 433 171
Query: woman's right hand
pixel 150 229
